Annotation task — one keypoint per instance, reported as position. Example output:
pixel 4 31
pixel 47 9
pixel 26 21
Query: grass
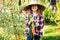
pixel 50 38
pixel 51 32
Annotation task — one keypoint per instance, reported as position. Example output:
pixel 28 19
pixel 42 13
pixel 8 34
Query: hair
pixel 40 11
pixel 30 10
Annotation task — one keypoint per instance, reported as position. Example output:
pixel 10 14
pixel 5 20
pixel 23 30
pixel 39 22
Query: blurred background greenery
pixel 12 21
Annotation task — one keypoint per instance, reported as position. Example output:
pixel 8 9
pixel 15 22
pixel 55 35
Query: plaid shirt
pixel 40 21
pixel 28 19
pixel 37 19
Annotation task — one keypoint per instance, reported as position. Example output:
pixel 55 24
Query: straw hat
pixel 34 2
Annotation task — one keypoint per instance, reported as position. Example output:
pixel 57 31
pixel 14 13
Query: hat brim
pixel 41 7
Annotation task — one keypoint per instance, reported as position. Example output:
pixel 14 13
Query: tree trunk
pixel 19 2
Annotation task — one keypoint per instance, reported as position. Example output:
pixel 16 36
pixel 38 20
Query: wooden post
pixel 19 2
pixel 52 2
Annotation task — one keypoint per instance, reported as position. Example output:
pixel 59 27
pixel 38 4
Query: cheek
pixel 36 8
pixel 33 9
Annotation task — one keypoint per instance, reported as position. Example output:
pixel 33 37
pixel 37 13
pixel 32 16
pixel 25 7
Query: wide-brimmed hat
pixel 34 2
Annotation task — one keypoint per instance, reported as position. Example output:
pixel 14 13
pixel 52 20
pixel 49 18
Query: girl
pixel 37 20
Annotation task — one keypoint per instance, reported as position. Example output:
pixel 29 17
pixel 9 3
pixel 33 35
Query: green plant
pixel 49 15
pixel 57 16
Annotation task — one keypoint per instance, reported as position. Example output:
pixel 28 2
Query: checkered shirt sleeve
pixel 27 24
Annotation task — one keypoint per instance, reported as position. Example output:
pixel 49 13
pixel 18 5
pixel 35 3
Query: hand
pixel 26 31
pixel 37 24
pixel 32 19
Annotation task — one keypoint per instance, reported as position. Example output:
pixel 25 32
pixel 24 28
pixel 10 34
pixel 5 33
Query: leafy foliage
pixel 57 17
pixel 49 15
pixel 11 21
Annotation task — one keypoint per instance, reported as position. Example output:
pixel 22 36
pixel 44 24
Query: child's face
pixel 28 11
pixel 34 7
